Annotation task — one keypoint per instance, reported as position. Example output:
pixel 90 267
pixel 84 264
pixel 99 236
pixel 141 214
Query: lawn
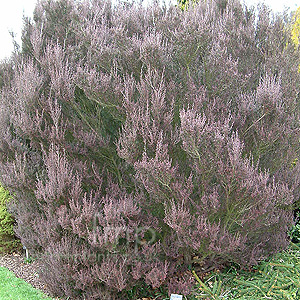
pixel 13 288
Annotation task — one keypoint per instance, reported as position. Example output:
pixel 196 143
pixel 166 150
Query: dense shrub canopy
pixel 136 140
pixel 8 241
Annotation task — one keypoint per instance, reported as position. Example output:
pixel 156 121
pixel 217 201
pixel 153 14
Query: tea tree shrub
pixel 138 141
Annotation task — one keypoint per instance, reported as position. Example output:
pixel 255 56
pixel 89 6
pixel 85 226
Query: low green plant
pixel 211 289
pixel 8 240
pixel 295 231
pixel 278 278
pixel 28 260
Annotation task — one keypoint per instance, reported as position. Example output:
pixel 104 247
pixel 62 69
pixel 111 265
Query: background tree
pixel 296 27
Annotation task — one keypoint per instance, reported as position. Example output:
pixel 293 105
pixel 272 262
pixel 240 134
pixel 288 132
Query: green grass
pixel 13 288
pixel 275 279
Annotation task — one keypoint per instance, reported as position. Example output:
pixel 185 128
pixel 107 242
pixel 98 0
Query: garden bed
pixel 26 271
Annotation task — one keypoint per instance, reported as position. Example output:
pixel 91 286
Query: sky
pixel 12 11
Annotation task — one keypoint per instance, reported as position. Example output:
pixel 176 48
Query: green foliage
pixel 296 27
pixel 8 240
pixel 210 289
pixel 295 231
pixel 184 4
pixel 28 260
pixel 278 278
